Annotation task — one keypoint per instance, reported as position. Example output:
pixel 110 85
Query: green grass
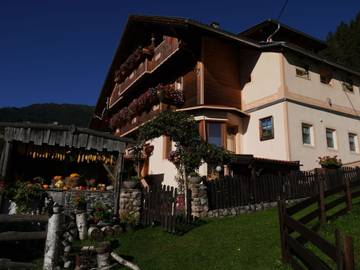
pixel 249 241
pixel 348 225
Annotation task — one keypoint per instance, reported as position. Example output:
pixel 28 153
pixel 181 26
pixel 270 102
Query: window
pixel 266 128
pixel 325 77
pixel 179 84
pixel 303 72
pixel 330 138
pixel 353 142
pixel 231 139
pixel 307 134
pixel 348 86
pixel 213 130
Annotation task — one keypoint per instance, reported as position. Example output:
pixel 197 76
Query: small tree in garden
pixel 190 151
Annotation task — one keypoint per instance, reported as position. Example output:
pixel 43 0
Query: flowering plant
pixel 79 201
pixel 330 162
pixel 101 212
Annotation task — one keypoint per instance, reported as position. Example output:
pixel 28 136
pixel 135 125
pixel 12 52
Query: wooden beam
pixel 16 236
pixel 117 175
pixel 8 264
pixel 5 166
pixel 22 218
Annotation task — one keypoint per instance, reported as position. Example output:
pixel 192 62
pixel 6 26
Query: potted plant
pixel 128 220
pixel 79 202
pixel 28 197
pixel 330 162
pixel 101 213
pixel 194 178
pixel 131 182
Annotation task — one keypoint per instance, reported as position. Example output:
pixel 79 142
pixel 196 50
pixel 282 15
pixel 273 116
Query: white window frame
pixel 334 138
pixel 356 142
pixel 311 133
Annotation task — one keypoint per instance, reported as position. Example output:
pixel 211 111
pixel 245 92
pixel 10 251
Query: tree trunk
pixel 186 210
pixel 124 262
pixel 53 240
pixel 81 225
pixel 103 255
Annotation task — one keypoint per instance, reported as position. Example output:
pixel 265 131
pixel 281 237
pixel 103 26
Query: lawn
pixel 248 241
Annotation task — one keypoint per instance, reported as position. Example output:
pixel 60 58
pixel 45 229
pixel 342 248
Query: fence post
pixel 348 193
pixel 339 254
pixel 321 202
pixel 349 253
pixel 283 230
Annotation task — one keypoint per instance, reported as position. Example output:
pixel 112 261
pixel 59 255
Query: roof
pixel 250 159
pixel 263 30
pixel 63 136
pixel 140 23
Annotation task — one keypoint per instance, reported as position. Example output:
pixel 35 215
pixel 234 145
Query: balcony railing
pixel 162 52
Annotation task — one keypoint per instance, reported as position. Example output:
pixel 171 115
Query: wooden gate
pixel 161 206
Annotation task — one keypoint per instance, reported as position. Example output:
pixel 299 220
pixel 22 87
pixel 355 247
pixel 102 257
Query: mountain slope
pixel 66 114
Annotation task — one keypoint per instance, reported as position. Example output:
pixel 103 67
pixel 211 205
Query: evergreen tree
pixel 344 44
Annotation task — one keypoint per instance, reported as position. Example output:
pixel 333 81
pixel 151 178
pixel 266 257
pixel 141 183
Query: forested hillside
pixel 344 44
pixel 66 114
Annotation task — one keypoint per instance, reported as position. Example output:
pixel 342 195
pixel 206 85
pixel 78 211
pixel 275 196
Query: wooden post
pixel 349 261
pixel 4 173
pixel 283 245
pixel 53 239
pixel 321 202
pixel 339 255
pixel 348 193
pixel 117 184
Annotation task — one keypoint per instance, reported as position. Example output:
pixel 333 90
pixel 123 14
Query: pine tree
pixel 344 44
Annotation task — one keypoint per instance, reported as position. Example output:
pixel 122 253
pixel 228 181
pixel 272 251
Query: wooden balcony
pixel 162 52
pixel 140 119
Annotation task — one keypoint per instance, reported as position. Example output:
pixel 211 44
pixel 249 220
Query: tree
pixel 190 151
pixel 344 44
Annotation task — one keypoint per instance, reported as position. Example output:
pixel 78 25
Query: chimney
pixel 215 25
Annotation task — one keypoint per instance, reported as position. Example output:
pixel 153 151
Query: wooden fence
pixel 160 205
pixel 242 190
pixel 295 233
pixel 12 235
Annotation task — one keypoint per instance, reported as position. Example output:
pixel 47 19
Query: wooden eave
pixel 63 136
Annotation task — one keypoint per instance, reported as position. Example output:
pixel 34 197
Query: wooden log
pixel 81 225
pixel 95 233
pixel 52 239
pixel 16 236
pixel 22 218
pixel 107 231
pixel 124 262
pixel 117 230
pixel 103 254
pixel 8 264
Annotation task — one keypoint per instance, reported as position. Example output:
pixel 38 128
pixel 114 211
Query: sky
pixel 60 50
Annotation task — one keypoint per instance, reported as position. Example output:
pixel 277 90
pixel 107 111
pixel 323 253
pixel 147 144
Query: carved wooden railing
pixel 146 116
pixel 162 52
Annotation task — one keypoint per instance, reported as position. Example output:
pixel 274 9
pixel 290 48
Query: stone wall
pixel 199 200
pixel 66 197
pixel 130 203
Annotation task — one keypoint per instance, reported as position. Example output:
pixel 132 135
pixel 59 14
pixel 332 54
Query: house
pixel 264 92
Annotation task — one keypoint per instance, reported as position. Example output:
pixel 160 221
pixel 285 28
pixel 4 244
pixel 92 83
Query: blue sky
pixel 60 50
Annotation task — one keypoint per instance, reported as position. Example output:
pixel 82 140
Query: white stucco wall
pixel 265 78
pixel 320 120
pixel 159 165
pixel 274 148
pixel 314 89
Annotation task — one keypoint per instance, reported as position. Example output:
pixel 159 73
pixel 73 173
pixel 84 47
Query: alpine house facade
pixel 265 92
